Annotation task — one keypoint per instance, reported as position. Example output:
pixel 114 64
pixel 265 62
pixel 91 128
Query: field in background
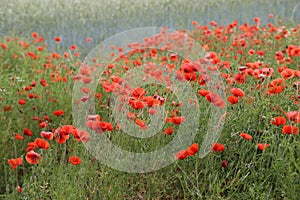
pixel 75 20
pixel 37 79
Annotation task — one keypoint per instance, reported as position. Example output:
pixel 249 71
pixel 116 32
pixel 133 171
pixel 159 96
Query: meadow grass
pixel 250 173
pixel 75 20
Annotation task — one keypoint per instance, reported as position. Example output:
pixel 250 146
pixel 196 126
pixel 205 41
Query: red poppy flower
pixel 182 154
pixel 55 55
pixel 262 146
pixel 30 146
pixel 240 78
pixel 73 47
pixel 15 162
pixel 246 136
pixel 220 103
pixel 278 82
pixel 190 76
pixel 237 92
pixel 46 118
pixel 193 149
pixel 279 56
pixel 57 39
pixel 43 82
pixel 137 104
pixel 32 157
pixel 85 90
pixel 168 119
pixel 178 120
pixel 130 115
pixel 86 80
pixel 68 129
pixel 43 124
pixel 99 127
pixel 233 99
pixel 203 92
pixel 47 135
pixel 43 144
pixel 28 88
pixel 293 116
pixel 174 57
pixel 4 46
pixel 260 52
pixel 74 160
pixel 19 189
pixel 256 19
pixel 275 90
pixel 106 126
pixel 33 84
pixel 91 124
pixel 278 121
pixel 27 132
pixel 138 93
pixel 289 129
pixel 18 137
pixel 287 73
pixel 218 147
pixel 84 99
pixel 169 131
pixel 224 164
pixel 213 23
pixel 203 79
pixel 81 135
pixel 180 75
pixel 159 100
pixel 30 95
pixel 251 52
pixel 60 136
pixel 7 108
pixel 212 97
pixel 35 35
pixel 22 102
pixel 140 123
pixel 58 112
pixel 194 23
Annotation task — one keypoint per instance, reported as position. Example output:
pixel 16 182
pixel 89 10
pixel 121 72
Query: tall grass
pixel 250 173
pixel 76 20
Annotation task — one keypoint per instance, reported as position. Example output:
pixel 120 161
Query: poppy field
pixel 248 72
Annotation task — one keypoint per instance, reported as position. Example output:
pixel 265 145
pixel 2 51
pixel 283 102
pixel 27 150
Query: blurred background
pixel 76 20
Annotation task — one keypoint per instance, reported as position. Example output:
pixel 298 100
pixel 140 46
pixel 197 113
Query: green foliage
pixel 250 173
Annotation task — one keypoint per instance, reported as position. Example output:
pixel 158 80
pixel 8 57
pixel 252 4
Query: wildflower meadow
pixel 206 112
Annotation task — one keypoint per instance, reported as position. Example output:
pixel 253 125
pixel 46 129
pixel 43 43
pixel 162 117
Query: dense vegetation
pixel 44 144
